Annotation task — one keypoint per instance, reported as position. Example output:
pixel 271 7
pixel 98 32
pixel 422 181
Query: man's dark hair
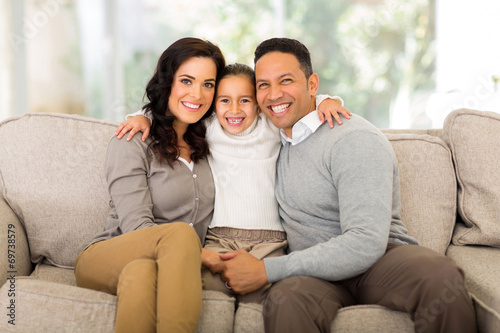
pixel 286 45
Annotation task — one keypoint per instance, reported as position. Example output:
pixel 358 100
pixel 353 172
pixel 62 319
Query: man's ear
pixel 313 84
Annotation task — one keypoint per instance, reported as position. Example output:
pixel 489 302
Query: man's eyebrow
pixel 280 77
pixel 286 74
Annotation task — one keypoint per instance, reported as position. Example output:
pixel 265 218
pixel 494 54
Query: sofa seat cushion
pixel 474 139
pixel 428 188
pixel 373 319
pixel 46 306
pixel 217 313
pixel 43 306
pixel 481 265
pixel 351 319
pixel 52 178
pixel 249 318
pixel 55 274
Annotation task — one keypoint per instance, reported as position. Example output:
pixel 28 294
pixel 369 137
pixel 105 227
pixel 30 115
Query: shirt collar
pixel 306 126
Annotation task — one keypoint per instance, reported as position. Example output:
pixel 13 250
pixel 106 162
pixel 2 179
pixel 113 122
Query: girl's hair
pixel 238 69
pixel 158 93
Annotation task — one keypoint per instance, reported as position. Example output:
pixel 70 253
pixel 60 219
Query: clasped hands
pixel 239 269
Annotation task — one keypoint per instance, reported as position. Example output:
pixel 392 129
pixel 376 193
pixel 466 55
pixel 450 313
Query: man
pixel 338 192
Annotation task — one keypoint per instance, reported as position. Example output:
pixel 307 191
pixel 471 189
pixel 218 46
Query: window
pixel 399 64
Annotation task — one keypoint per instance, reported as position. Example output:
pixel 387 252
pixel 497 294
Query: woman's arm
pixel 329 108
pixel 126 168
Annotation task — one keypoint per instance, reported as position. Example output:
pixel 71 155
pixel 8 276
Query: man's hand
pixel 209 258
pixel 241 271
pixel 135 124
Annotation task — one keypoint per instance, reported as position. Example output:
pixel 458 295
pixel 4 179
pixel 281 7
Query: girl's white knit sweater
pixel 244 170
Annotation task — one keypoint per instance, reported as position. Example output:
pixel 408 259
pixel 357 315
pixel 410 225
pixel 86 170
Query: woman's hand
pixel 331 108
pixel 134 125
pixel 209 258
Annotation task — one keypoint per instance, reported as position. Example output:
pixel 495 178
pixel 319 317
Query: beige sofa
pixel 53 200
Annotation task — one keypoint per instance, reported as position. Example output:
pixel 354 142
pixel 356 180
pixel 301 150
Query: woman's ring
pixel 227 286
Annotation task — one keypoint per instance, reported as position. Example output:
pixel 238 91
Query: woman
pixel 150 261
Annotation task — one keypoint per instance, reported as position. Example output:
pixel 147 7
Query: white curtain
pixel 6 65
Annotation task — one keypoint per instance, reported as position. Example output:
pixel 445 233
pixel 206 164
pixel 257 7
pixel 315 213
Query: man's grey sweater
pixel 338 192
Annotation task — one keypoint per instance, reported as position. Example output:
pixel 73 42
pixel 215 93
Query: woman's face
pixel 193 90
pixel 235 104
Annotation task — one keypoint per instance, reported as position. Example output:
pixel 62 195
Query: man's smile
pixel 279 109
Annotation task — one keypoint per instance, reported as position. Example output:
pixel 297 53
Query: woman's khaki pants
pixel 155 272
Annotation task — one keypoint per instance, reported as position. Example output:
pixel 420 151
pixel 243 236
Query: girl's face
pixel 193 90
pixel 235 104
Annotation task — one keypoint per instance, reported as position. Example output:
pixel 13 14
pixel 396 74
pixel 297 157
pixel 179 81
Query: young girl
pixel 244 147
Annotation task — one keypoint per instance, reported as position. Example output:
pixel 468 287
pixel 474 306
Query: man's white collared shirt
pixel 306 126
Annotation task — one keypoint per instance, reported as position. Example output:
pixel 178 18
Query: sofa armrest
pixel 12 233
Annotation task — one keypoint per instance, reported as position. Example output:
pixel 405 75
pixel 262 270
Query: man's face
pixel 283 92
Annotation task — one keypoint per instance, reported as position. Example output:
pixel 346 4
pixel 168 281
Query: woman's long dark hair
pixel 158 92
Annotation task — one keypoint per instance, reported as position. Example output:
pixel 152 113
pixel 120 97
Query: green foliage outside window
pixel 372 53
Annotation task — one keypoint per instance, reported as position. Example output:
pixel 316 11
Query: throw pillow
pixel 428 187
pixel 474 139
pixel 51 173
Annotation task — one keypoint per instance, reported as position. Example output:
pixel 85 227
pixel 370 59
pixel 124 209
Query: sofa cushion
pixel 249 318
pixel 55 274
pixel 44 306
pixel 52 179
pixel 217 313
pixel 351 319
pixel 428 188
pixel 373 319
pixel 474 139
pixel 481 265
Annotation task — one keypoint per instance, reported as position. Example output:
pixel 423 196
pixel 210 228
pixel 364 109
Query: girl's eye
pixel 224 100
pixel 245 100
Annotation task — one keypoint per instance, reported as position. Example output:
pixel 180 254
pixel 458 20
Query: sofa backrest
pixel 428 186
pixel 51 176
